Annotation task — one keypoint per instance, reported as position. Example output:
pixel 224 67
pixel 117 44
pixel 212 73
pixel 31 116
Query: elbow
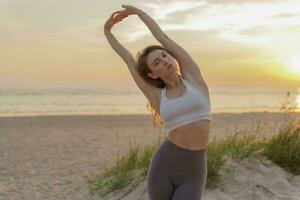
pixel 130 61
pixel 162 37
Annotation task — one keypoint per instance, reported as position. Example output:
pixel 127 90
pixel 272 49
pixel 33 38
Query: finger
pixel 112 15
pixel 116 21
pixel 121 15
pixel 119 18
pixel 116 12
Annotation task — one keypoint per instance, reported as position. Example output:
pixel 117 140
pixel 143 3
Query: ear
pixel 151 75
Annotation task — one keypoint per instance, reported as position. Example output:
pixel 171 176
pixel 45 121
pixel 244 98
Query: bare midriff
pixel 193 136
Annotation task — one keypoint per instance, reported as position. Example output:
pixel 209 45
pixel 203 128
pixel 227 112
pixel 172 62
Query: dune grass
pixel 128 170
pixel 282 148
pixel 236 146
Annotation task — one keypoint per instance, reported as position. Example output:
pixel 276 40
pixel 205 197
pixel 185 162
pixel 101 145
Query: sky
pixel 61 44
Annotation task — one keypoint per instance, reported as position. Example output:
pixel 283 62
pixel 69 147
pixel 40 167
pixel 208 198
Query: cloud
pixel 162 10
pixel 284 15
pixel 267 30
pixel 240 2
pixel 231 22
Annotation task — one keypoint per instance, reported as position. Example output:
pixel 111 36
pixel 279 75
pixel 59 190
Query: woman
pixel 178 169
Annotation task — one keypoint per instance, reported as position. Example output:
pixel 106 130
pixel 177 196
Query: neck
pixel 173 82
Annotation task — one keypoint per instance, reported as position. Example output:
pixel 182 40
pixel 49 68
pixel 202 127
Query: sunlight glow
pixel 295 64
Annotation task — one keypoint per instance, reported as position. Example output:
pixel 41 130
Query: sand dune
pixel 47 157
pixel 253 178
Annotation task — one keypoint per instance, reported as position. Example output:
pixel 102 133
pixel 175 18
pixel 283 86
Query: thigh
pixel 160 186
pixel 159 183
pixel 190 184
pixel 191 190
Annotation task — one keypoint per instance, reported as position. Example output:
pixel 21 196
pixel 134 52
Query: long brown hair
pixel 143 70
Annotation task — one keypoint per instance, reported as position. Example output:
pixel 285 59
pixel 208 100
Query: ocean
pixel 32 102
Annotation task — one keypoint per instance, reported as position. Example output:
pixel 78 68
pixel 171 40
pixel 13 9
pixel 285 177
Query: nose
pixel 166 61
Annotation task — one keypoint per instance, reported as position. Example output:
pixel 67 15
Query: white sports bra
pixel 190 107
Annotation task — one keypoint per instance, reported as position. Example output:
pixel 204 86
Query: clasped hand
pixel 119 15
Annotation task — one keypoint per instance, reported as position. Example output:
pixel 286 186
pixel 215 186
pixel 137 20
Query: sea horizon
pixel 104 101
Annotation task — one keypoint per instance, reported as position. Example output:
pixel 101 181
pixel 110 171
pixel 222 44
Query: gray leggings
pixel 177 173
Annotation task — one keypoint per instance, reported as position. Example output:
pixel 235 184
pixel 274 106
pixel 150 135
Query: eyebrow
pixel 156 58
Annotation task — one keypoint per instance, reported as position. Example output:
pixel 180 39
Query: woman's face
pixel 161 62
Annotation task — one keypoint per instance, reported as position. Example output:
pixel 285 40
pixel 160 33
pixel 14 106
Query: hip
pixel 179 158
pixel 178 164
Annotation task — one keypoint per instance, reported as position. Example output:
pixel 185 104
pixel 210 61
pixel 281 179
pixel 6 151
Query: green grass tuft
pixel 284 148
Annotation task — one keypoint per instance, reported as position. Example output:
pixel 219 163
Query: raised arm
pixel 145 87
pixel 188 67
pixel 117 47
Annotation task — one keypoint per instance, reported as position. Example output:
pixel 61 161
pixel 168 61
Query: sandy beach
pixel 47 157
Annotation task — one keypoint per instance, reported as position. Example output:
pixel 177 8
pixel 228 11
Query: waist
pixel 193 136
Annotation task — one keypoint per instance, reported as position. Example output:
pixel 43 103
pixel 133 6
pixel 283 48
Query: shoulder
pixel 197 81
